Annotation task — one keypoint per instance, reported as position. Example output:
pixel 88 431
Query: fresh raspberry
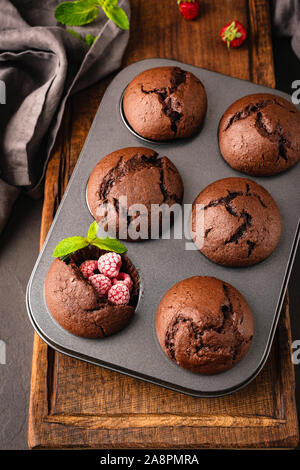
pixel 123 278
pixel 88 268
pixel 119 294
pixel 101 283
pixel 110 264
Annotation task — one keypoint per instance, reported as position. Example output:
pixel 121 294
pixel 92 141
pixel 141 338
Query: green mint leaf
pixel 109 244
pixel 117 15
pixel 69 245
pixel 90 39
pixel 76 13
pixel 93 230
pixel 105 3
pixel 74 33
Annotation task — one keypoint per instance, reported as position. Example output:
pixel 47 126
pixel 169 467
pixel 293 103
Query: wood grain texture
pixel 76 404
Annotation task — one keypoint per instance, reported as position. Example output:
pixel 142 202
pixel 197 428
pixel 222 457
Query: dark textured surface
pixel 18 251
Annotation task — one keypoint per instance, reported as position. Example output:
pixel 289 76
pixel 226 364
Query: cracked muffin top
pixel 241 224
pixel 204 325
pixel 140 176
pixel 165 103
pixel 76 305
pixel 260 135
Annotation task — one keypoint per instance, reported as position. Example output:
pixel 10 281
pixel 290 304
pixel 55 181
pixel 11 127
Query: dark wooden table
pixel 76 404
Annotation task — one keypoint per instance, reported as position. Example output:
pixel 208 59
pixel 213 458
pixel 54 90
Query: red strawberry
pixel 233 34
pixel 189 8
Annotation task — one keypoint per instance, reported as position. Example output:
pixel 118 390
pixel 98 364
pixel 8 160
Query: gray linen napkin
pixel 286 18
pixel 40 65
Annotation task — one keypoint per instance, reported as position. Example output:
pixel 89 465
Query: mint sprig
pixel 82 12
pixel 76 13
pixel 109 244
pixel 69 245
pixel 74 33
pixel 92 232
pixel 90 39
pixel 116 14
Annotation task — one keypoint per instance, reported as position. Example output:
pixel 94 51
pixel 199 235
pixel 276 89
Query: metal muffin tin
pixel 135 351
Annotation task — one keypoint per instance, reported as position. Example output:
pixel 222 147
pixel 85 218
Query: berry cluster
pixel 106 278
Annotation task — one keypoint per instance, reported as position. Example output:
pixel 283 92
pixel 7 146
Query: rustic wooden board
pixel 76 404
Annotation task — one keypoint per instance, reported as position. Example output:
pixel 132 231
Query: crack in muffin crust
pixel 164 94
pixel 277 137
pixel 123 168
pixel 254 108
pixel 136 163
pixel 247 111
pixel 195 330
pixel 242 230
pixel 226 202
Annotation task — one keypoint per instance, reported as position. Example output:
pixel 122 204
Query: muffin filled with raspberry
pixel 92 292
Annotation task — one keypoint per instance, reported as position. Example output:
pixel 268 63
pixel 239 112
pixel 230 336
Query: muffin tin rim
pixel 182 142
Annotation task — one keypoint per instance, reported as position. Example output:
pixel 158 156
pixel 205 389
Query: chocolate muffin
pixel 260 134
pixel 165 103
pixel 138 174
pixel 204 325
pixel 241 224
pixel 75 304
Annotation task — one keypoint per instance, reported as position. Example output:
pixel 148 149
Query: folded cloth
pixel 296 42
pixel 40 65
pixel 286 19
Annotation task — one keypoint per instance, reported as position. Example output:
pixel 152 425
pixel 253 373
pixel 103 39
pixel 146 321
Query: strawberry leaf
pixel 93 230
pixel 76 13
pixel 69 245
pixel 109 244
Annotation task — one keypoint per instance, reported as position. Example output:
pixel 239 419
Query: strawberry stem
pixel 231 33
